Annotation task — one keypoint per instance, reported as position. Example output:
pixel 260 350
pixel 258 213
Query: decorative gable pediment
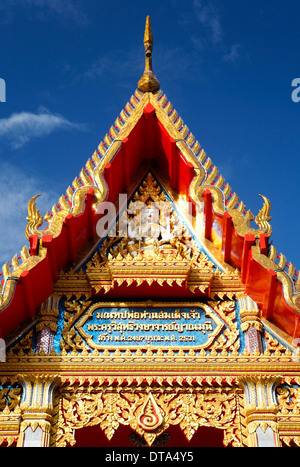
pixel 151 243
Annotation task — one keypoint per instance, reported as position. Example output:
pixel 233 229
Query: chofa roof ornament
pixel 148 82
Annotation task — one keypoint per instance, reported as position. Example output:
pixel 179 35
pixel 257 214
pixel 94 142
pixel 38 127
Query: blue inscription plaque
pixel 194 326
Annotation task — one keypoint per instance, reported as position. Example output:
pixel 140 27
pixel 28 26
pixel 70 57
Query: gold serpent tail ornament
pixel 263 217
pixel 34 218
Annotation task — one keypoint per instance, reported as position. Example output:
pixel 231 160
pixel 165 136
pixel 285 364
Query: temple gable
pixel 149 307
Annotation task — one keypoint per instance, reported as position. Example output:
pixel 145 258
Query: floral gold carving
pixel 74 309
pixel 148 412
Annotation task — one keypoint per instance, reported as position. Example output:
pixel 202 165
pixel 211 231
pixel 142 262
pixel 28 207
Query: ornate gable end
pixel 152 303
pixel 150 289
pixel 150 254
pixel 150 135
pixel 151 243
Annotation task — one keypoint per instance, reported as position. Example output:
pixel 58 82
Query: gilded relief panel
pixel 149 411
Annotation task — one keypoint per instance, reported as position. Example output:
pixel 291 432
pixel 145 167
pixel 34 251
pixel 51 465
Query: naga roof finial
pixel 148 82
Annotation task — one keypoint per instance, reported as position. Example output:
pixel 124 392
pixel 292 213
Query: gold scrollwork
pixel 70 338
pixel 148 413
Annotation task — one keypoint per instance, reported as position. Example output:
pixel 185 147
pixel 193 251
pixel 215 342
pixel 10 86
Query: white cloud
pixel 20 128
pixel 233 55
pixel 17 188
pixel 130 64
pixel 205 25
pixel 42 9
pixel 208 16
pixel 116 64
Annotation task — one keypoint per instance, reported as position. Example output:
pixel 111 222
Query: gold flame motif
pixel 150 418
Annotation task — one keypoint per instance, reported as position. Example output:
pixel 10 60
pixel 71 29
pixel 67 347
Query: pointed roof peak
pixel 148 82
pixel 148 36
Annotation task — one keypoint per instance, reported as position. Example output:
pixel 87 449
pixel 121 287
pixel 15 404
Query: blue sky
pixel 70 66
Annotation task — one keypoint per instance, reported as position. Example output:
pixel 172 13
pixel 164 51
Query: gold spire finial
pixel 148 37
pixel 148 82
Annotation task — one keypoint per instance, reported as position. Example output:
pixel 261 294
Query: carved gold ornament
pixel 157 249
pixel 34 218
pixel 9 426
pixel 150 417
pixel 288 396
pixel 263 217
pixel 148 412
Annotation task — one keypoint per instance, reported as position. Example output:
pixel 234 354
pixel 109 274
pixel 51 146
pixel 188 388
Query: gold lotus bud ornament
pixel 148 82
